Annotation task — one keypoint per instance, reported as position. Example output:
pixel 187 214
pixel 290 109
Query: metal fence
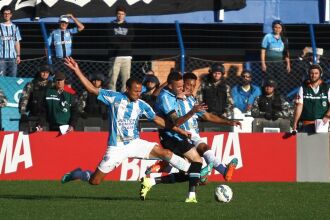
pixel 287 82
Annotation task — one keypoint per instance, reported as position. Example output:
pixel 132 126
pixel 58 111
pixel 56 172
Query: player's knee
pixel 202 148
pixel 164 154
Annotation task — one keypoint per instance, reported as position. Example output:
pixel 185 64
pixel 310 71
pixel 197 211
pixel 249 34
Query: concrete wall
pixel 313 158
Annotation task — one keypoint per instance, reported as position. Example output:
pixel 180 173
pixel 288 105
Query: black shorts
pixel 179 147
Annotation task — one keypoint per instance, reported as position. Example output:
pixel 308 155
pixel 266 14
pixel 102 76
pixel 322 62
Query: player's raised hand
pixel 71 63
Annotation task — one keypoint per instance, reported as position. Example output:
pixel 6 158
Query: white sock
pixel 152 181
pixel 179 163
pixel 191 194
pixel 209 157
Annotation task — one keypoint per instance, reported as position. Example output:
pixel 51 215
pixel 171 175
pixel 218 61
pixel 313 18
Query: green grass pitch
pixel 120 200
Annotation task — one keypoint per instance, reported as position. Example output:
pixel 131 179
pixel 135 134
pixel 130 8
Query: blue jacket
pixel 242 98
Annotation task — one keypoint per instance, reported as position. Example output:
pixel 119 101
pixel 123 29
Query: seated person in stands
pixel 215 92
pixel 270 109
pixel 32 104
pixel 245 93
pixel 151 83
pixel 61 105
pixel 3 99
pixel 89 105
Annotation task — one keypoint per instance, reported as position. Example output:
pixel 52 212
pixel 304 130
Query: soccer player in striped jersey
pixel 185 104
pixel 167 106
pixel 10 49
pixel 124 142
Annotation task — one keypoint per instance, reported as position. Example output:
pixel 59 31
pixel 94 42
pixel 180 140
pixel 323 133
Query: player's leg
pixel 125 72
pixel 111 159
pixel 193 172
pixel 113 74
pixel 226 170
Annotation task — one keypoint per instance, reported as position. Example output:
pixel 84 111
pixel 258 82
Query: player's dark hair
pixel 132 80
pixel 189 75
pixel 6 8
pixel 174 76
pixel 120 8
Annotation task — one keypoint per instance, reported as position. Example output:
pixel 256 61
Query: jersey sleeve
pixel 107 96
pixel 17 35
pixel 73 30
pixel 147 110
pixel 300 96
pixel 264 43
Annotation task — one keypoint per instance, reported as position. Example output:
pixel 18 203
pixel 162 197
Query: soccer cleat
pixel 69 176
pixel 230 169
pixel 158 167
pixel 145 187
pixel 205 173
pixel 191 199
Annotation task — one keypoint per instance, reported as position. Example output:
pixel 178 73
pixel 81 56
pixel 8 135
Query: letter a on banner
pixel 13 157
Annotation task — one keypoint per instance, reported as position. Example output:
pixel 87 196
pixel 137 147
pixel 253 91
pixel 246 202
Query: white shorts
pixel 196 139
pixel 115 155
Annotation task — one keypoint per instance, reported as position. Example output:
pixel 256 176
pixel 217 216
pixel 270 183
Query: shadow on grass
pixel 59 197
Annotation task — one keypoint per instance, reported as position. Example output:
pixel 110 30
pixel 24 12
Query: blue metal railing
pixel 312 35
pixel 182 50
pixel 44 34
pixel 311 31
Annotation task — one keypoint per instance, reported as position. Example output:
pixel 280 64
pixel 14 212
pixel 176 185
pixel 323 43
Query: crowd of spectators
pixel 48 104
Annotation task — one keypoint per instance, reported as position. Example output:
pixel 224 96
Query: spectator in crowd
pixel 312 101
pixel 274 49
pixel 68 87
pixel 306 59
pixel 61 38
pixel 61 105
pixel 270 109
pixel 10 54
pixel 245 93
pixel 147 74
pixel 151 83
pixel 89 105
pixel 3 99
pixel 121 34
pixel 215 92
pixel 3 103
pixel 32 104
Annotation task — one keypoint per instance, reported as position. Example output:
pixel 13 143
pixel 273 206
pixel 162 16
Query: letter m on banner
pixel 10 157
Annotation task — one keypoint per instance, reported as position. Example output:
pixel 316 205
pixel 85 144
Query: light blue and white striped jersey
pixel 185 105
pixel 9 35
pixel 62 41
pixel 124 116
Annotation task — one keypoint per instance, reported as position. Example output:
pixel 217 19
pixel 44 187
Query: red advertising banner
pixel 47 156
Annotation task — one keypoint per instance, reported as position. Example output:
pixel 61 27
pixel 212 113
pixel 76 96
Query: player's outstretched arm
pixel 164 124
pixel 216 119
pixel 73 65
pixel 177 121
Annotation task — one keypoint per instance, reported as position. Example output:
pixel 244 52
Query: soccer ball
pixel 223 193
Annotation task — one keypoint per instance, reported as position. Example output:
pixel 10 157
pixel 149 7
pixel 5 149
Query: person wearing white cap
pixel 61 38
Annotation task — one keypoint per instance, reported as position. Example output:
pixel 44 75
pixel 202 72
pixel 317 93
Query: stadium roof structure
pixel 184 11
